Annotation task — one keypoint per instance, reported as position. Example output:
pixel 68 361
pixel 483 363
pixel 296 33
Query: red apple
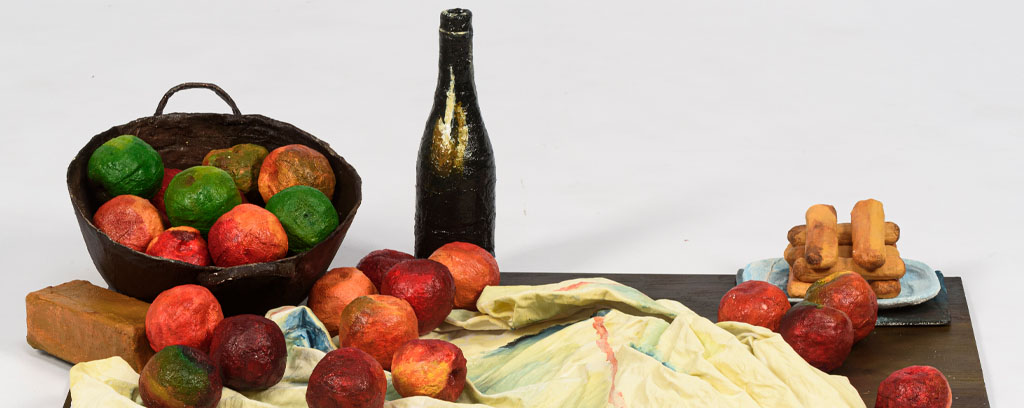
pixel 472 267
pixel 376 264
pixel 822 335
pixel 378 325
pixel 335 290
pixel 433 368
pixel 183 315
pixel 915 386
pixel 347 378
pixel 427 286
pixel 850 293
pixel 756 302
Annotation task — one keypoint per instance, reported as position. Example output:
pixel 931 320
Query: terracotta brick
pixel 78 321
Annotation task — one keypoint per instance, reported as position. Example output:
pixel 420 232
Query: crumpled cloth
pixel 579 343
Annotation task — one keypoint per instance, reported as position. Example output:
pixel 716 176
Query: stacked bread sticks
pixel 866 245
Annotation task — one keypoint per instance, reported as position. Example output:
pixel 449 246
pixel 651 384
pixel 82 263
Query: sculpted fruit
pixel 158 198
pixel 199 195
pixel 335 290
pixel 427 286
pixel 851 294
pixel 376 264
pixel 295 165
pixel 250 352
pixel 183 243
pixel 347 378
pixel 247 234
pixel 241 161
pixel 433 368
pixel 915 386
pixel 126 165
pixel 307 215
pixel 820 334
pixel 756 302
pixel 129 220
pixel 184 315
pixel 378 325
pixel 472 268
pixel 179 376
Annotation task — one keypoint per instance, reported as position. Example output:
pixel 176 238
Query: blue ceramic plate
pixel 918 285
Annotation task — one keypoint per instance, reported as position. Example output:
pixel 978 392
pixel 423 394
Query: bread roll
pixel 798 234
pixel 868 230
pixel 822 247
pixel 793 252
pixel 796 288
pixel 886 289
pixel 894 268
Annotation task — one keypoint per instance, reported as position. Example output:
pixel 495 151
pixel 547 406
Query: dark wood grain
pixel 951 349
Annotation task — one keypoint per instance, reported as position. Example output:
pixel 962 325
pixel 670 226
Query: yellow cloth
pixel 580 343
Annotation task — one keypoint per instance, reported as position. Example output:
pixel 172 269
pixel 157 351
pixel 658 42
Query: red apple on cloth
pixel 427 286
pixel 822 335
pixel 756 302
pixel 378 325
pixel 376 264
pixel 915 386
pixel 472 267
pixel 250 352
pixel 434 368
pixel 347 378
pixel 335 290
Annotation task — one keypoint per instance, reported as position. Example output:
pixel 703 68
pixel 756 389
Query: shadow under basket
pixel 183 139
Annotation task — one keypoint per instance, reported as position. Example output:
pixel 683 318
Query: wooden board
pixel 951 348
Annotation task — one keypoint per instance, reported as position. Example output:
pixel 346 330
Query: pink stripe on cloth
pixel 614 397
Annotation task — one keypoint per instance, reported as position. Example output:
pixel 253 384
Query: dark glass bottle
pixel 455 173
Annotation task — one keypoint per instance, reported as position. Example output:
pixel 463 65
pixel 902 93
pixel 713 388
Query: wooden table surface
pixel 951 349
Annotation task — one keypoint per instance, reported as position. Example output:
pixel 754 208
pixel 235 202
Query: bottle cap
pixel 456 21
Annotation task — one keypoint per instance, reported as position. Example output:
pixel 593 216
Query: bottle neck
pixel 455 63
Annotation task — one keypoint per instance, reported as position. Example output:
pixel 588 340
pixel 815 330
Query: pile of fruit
pixel 837 311
pixel 200 215
pixel 378 309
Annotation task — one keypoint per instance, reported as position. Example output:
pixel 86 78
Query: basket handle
pixel 189 85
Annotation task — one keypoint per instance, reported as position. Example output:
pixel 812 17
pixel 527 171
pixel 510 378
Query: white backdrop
pixel 667 137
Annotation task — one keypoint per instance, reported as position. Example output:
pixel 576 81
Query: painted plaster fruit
pixel 915 386
pixel 335 290
pixel 432 368
pixel 822 335
pixel 183 315
pixel 347 378
pixel 158 198
pixel 250 352
pixel 378 325
pixel 247 234
pixel 376 264
pixel 307 215
pixel 180 376
pixel 241 161
pixel 199 195
pixel 183 244
pixel 756 302
pixel 129 220
pixel 427 286
pixel 295 165
pixel 472 267
pixel 126 165
pixel 851 294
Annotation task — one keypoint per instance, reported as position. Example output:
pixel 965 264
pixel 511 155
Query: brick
pixel 78 321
